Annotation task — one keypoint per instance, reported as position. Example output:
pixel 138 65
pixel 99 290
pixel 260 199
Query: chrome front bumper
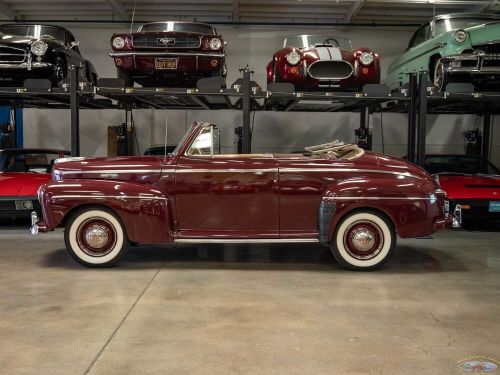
pixel 27 66
pixel 37 225
pixel 152 54
pixel 453 64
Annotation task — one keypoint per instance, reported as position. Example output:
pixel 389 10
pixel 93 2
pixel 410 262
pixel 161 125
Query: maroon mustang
pixel 312 62
pixel 169 54
pixel 338 194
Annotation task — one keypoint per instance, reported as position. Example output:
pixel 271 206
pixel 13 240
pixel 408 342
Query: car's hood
pixel 484 34
pixel 141 169
pixel 471 187
pixel 21 184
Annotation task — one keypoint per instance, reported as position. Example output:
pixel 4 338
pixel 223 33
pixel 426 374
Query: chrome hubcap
pixel 96 236
pixel 363 240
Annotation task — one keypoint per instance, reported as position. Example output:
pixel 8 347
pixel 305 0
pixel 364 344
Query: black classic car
pixel 39 51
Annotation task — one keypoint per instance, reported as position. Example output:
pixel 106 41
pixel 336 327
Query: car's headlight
pixel 118 42
pixel 215 43
pixel 293 58
pixel 366 58
pixel 460 36
pixel 39 48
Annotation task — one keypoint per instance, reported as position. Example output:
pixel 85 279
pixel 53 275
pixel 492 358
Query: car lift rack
pixel 246 95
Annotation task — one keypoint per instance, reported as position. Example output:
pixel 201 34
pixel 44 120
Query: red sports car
pixel 469 181
pixel 174 54
pixel 312 62
pixel 336 194
pixel 22 171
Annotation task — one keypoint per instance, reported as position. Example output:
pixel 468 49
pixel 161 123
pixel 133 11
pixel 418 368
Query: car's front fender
pixel 144 211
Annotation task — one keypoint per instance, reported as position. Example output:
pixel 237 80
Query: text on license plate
pixel 166 63
pixel 494 206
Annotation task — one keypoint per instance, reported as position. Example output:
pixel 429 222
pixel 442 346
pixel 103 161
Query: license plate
pixel 494 206
pixel 162 63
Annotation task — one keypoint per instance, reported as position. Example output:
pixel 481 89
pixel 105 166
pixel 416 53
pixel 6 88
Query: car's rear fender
pixel 409 209
pixel 144 211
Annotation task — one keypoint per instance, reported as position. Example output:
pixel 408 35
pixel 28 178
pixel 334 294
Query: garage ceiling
pixel 256 11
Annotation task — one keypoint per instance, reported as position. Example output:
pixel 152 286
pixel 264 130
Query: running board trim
pixel 246 240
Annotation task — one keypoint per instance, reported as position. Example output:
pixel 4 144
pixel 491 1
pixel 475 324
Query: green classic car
pixel 452 48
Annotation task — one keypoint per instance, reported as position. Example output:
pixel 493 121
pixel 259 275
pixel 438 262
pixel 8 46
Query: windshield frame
pixel 171 27
pixel 323 36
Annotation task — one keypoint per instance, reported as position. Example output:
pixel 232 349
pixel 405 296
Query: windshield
pixel 178 26
pixel 35 162
pixel 443 26
pixel 34 31
pixel 459 164
pixel 304 41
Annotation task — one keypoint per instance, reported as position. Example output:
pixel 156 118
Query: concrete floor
pixel 248 309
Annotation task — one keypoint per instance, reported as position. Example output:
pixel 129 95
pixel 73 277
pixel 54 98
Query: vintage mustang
pixel 471 182
pixel 452 48
pixel 354 200
pixel 312 62
pixel 41 52
pixel 22 171
pixel 169 54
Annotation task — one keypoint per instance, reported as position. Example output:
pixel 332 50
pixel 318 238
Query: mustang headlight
pixel 39 48
pixel 366 58
pixel 293 58
pixel 460 36
pixel 118 42
pixel 215 43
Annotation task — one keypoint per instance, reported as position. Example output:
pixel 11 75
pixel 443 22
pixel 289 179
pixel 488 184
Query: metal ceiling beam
pixel 6 12
pixel 118 9
pixel 354 9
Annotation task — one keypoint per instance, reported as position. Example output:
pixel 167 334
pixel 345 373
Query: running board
pixel 246 240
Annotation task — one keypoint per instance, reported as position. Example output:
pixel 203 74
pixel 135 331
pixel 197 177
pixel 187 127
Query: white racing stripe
pixel 329 53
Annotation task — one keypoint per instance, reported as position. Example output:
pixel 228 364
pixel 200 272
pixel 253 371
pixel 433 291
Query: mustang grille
pixel 12 55
pixel 166 41
pixel 330 70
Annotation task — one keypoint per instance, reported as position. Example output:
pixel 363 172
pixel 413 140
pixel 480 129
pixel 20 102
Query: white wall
pixel 272 130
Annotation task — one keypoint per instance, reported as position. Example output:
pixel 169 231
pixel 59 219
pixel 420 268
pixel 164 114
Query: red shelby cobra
pixel 174 54
pixel 355 201
pixel 471 182
pixel 312 62
pixel 22 171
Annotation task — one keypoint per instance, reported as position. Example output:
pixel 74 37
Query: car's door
pixel 225 196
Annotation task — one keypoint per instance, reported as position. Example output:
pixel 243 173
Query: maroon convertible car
pixel 355 201
pixel 173 54
pixel 312 62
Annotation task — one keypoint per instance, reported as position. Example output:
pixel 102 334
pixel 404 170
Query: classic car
pixel 169 53
pixel 312 62
pixel 452 48
pixel 22 171
pixel 40 52
pixel 355 201
pixel 471 182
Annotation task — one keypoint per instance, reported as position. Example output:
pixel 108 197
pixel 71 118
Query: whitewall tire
pixel 95 237
pixel 363 241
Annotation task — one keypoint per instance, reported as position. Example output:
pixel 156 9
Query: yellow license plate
pixel 162 63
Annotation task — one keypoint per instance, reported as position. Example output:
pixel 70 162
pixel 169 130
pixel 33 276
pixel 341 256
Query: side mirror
pixel 74 43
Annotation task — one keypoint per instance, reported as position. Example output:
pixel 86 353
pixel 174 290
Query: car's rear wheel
pixel 95 237
pixel 363 241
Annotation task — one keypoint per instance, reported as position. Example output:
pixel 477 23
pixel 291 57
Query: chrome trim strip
pixel 228 170
pixel 246 240
pixel 292 170
pixel 26 65
pixel 111 171
pixel 327 199
pixel 125 54
pixel 106 196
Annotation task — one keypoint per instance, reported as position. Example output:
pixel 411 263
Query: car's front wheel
pixel 440 78
pixel 95 237
pixel 363 241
